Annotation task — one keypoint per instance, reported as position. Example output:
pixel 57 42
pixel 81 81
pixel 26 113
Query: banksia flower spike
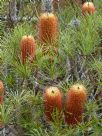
pixel 1 92
pixel 52 101
pixel 1 101
pixel 48 24
pixel 74 105
pixel 88 7
pixel 28 47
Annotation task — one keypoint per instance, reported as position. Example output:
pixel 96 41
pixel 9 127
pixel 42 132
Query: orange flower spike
pixel 1 92
pixel 74 105
pixel 52 100
pixel 88 7
pixel 48 27
pixel 28 48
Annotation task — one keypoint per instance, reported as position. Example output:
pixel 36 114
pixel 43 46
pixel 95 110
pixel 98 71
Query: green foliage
pixel 6 114
pixel 88 37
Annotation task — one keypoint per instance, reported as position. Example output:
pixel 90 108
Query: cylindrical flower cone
pixel 52 101
pixel 88 7
pixel 1 92
pixel 1 101
pixel 28 48
pixel 74 105
pixel 48 27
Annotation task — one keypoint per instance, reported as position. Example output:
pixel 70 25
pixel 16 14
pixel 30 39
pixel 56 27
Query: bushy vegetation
pixel 75 57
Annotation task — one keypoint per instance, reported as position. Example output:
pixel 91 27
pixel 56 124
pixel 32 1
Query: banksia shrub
pixel 48 25
pixel 1 92
pixel 52 102
pixel 28 47
pixel 88 7
pixel 74 104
